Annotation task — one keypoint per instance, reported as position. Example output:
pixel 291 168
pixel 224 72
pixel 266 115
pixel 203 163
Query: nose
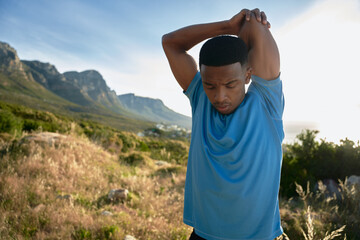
pixel 220 95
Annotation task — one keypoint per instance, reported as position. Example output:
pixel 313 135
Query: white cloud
pixel 151 78
pixel 319 51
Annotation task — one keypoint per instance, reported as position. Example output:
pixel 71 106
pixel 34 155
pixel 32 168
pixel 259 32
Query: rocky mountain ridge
pixel 154 109
pixel 86 89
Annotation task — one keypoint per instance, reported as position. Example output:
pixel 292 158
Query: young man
pixel 233 172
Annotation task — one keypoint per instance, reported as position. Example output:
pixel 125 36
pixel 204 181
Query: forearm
pixel 264 56
pixel 187 37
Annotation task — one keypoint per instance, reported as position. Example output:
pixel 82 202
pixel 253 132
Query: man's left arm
pixel 264 58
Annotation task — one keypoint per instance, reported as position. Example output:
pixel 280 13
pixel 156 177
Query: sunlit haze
pixel 318 43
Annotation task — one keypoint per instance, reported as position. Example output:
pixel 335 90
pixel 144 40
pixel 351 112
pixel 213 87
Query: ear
pixel 248 75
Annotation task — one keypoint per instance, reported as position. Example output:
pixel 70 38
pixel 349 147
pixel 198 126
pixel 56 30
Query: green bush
pixel 309 160
pixel 168 150
pixel 133 159
pixel 109 231
pixel 9 123
pixel 81 234
pixel 143 147
pixel 30 125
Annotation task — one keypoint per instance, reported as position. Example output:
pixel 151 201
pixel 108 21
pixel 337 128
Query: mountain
pixel 48 76
pixel 17 84
pixel 79 94
pixel 92 85
pixel 40 86
pixel 9 60
pixel 153 110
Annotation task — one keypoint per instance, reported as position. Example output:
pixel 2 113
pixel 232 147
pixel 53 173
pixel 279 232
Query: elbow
pixel 165 40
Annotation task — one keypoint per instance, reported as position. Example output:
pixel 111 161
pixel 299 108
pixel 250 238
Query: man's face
pixel 225 85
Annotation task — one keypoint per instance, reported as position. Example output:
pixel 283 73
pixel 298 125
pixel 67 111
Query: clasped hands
pixel 246 14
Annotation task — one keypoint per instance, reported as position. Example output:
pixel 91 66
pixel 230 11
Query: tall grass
pixel 320 215
pixel 34 173
pixel 55 186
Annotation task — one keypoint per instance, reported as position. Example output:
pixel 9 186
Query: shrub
pixel 9 123
pixel 133 159
pixel 168 150
pixel 143 146
pixel 309 160
pixel 30 125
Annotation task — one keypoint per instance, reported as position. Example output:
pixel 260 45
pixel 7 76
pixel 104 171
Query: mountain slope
pixel 17 84
pixel 48 76
pixel 40 86
pixel 153 110
pixel 84 94
pixel 92 85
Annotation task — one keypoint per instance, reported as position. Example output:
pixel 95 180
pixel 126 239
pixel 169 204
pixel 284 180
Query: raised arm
pixel 177 43
pixel 264 57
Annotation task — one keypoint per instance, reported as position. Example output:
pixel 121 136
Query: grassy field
pixel 56 173
pixel 37 169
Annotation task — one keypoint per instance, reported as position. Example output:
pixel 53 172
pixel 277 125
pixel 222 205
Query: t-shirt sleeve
pixel 194 91
pixel 271 94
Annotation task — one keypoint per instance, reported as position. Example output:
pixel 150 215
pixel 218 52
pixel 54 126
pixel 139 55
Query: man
pixel 233 172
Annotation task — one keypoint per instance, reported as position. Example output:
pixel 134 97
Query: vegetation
pixel 56 173
pixel 311 160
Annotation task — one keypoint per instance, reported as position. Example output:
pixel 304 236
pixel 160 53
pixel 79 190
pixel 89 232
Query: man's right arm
pixel 177 43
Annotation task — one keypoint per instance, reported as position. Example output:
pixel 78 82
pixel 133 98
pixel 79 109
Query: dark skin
pixel 225 85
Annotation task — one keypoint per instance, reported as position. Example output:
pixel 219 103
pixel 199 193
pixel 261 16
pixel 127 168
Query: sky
pixel 318 42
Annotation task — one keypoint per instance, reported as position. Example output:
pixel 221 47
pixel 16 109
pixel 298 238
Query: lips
pixel 222 108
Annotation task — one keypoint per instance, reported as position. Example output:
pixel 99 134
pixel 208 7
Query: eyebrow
pixel 227 83
pixel 230 82
pixel 207 83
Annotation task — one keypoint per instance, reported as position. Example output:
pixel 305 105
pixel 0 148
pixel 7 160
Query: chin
pixel 226 112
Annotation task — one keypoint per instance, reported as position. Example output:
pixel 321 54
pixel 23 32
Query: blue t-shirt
pixel 233 171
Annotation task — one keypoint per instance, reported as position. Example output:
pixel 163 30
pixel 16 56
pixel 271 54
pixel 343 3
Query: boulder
pixel 129 237
pixel 353 180
pixel 118 194
pixel 44 138
pixel 39 208
pixel 161 163
pixel 106 213
pixel 331 188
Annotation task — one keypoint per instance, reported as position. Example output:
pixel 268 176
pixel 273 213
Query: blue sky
pixel 122 40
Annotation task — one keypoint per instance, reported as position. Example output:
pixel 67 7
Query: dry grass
pixel 299 216
pixel 34 174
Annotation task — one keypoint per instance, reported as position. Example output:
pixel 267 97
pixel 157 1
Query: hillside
pixel 153 110
pixel 82 95
pixel 61 186
pixel 64 186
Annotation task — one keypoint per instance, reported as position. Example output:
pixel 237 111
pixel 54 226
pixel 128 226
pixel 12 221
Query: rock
pixel 129 237
pixel 39 208
pixel 353 180
pixel 43 138
pixel 118 194
pixel 161 163
pixel 106 213
pixel 9 60
pixel 331 188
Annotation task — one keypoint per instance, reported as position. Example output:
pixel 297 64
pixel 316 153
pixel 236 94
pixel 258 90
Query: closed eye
pixel 231 84
pixel 209 85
